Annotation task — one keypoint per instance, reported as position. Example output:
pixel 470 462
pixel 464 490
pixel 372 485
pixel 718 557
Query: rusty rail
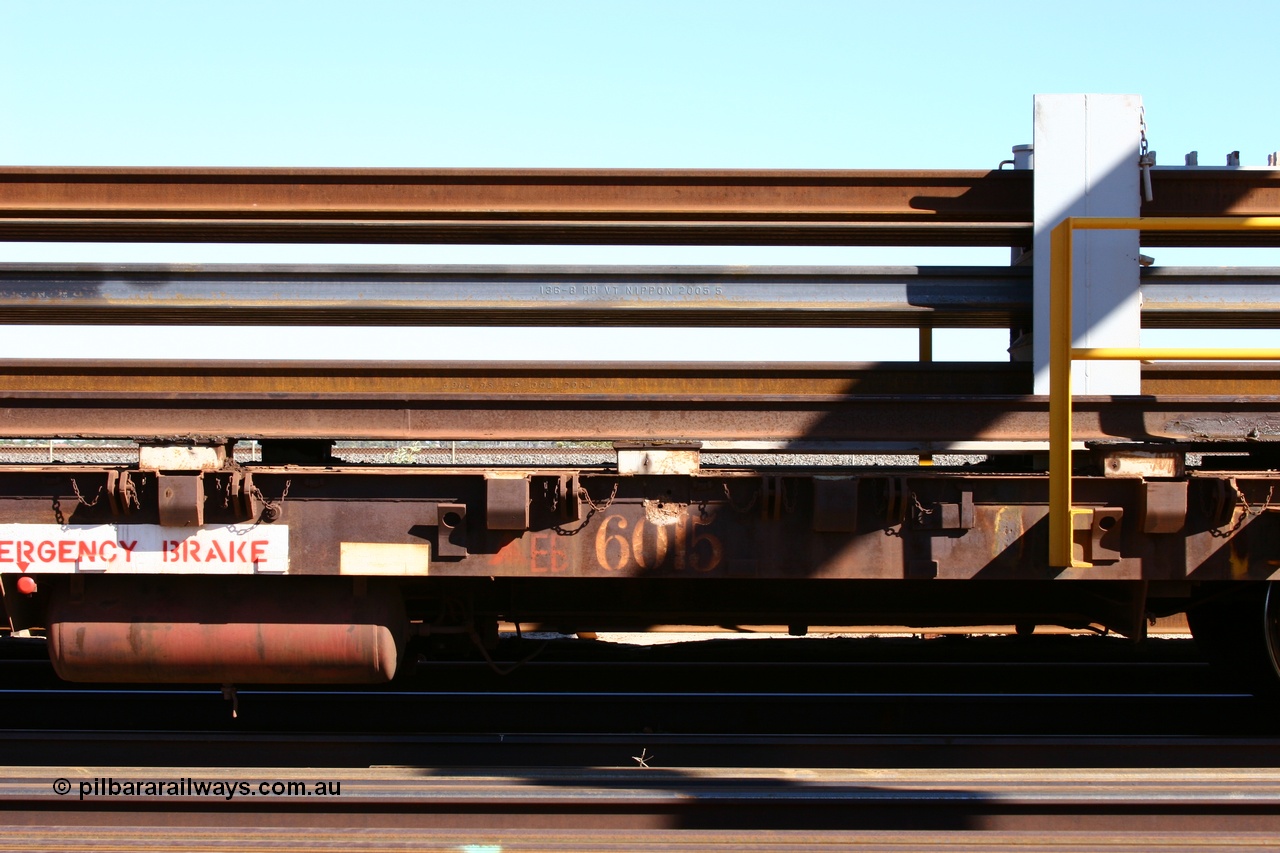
pixel 727 207
pixel 764 207
pixel 547 401
pixel 625 808
pixel 740 206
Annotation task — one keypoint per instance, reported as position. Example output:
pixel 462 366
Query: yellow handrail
pixel 1061 353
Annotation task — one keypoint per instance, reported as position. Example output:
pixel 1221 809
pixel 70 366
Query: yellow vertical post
pixel 1061 353
pixel 1060 335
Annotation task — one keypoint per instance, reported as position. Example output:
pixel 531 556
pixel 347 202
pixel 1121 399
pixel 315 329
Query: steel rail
pixel 764 207
pixel 532 401
pixel 728 207
pixel 586 802
pixel 904 296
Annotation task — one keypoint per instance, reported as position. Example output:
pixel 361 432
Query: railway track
pixel 994 742
pixel 391 807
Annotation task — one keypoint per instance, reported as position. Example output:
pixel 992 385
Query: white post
pixel 1086 164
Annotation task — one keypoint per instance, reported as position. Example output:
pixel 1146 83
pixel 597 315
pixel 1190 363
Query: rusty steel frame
pixel 874 523
pixel 727 207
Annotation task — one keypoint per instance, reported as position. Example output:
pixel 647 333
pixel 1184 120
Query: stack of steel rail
pixel 763 539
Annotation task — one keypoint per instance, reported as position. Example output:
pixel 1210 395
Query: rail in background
pixel 1062 513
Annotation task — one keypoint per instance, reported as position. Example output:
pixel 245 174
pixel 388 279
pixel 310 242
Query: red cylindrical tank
pixel 227 630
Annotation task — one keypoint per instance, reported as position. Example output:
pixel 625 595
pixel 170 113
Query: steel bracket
pixel 181 500
pixel 451 530
pixel 244 500
pixel 835 504
pixel 121 493
pixel 563 498
pixel 949 515
pixel 1096 533
pixel 1162 506
pixel 506 502
pixel 895 501
pixel 773 494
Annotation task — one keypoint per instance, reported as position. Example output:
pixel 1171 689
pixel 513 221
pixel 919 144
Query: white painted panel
pixel 216 549
pixel 1086 164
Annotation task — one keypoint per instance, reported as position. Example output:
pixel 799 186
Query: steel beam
pixel 729 207
pixel 1210 191
pixel 760 402
pixel 1173 297
pixel 513 206
pixel 526 296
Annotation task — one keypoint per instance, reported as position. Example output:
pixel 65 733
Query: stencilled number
pixel 649 546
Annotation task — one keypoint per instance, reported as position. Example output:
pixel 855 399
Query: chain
pixel 920 513
pixel 1246 512
pixel 584 495
pixel 76 488
pixel 739 508
pixel 789 497
pixel 271 509
pixel 130 492
pixel 1146 158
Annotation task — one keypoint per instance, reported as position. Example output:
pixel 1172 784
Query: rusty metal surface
pixel 575 206
pixel 545 401
pixel 867 419
pixel 889 524
pixel 1208 191
pixel 223 631
pixel 744 296
pixel 511 205
pixel 501 380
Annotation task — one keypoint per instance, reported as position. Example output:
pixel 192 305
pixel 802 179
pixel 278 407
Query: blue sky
pixel 652 84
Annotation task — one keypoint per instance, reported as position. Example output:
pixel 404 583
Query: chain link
pixel 1246 511
pixel 789 497
pixel 80 498
pixel 919 512
pixel 740 508
pixel 584 495
pixel 551 494
pixel 56 503
pixel 272 508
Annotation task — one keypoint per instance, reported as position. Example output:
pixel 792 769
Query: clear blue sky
pixel 646 84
